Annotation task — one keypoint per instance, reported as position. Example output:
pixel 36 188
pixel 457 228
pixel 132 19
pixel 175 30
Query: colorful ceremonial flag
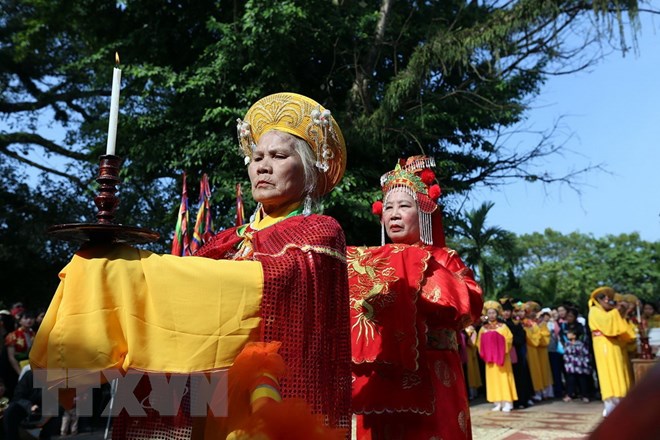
pixel 240 214
pixel 203 224
pixel 181 242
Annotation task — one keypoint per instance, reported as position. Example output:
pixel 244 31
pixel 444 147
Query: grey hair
pixel 311 173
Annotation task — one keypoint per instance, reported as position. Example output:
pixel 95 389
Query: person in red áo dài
pixel 409 299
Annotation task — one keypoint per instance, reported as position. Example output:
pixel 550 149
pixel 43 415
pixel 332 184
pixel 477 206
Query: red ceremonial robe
pixel 407 303
pixel 304 306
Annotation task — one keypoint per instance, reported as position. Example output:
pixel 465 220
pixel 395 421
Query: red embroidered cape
pixel 407 302
pixel 304 306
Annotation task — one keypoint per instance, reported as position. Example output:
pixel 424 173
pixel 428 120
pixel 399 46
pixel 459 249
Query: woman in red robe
pixel 408 301
pixel 273 310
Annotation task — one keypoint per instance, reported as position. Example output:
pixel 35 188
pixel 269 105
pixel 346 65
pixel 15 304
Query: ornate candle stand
pixel 646 350
pixel 105 230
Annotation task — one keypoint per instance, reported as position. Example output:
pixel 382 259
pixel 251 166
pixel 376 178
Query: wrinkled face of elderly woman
pixel 400 217
pixel 276 171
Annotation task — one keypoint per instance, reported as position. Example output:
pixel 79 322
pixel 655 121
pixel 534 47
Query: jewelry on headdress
pixel 415 177
pixel 304 118
pixel 307 205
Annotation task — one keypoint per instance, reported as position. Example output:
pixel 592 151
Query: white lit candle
pixel 114 108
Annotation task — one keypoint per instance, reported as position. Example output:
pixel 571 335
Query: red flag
pixel 203 224
pixel 181 242
pixel 240 214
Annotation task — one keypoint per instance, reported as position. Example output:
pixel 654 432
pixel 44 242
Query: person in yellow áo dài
pixel 533 333
pixel 495 341
pixel 473 376
pixel 610 332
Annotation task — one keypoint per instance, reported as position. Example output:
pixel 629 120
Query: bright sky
pixel 613 114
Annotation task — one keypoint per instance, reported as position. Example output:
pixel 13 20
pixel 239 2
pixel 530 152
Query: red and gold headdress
pixel 415 176
pixel 302 117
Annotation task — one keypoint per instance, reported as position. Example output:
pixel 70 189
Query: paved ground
pixel 551 420
pixel 546 420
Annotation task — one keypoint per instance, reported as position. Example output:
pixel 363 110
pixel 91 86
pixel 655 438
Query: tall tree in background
pixel 478 243
pixel 447 78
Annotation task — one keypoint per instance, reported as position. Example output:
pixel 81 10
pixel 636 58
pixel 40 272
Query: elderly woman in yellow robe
pixel 610 332
pixel 533 342
pixel 495 341
pixel 542 351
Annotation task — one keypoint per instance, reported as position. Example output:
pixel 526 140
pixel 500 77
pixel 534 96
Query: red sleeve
pixel 10 340
pixel 305 307
pixel 450 283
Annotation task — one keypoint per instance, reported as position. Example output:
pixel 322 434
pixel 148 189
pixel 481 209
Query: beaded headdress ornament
pixel 415 177
pixel 302 117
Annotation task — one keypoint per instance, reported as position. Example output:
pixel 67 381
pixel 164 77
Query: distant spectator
pixel 650 316
pixel 578 368
pixel 556 354
pixel 7 372
pixel 25 403
pixel 16 349
pixel 38 318
pixel 17 309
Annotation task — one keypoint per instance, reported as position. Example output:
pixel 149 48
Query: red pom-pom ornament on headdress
pixel 427 176
pixel 377 208
pixel 434 192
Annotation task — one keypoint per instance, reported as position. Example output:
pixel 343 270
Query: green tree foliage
pixel 445 78
pixel 479 245
pixel 553 268
pixel 557 267
pixel 30 261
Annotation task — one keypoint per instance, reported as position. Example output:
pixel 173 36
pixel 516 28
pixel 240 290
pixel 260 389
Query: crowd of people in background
pixel 20 400
pixel 528 353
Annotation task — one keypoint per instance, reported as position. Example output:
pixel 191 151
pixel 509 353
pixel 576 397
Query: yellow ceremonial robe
pixel 610 333
pixel 500 385
pixel 544 358
pixel 533 334
pixel 473 375
pixel 123 308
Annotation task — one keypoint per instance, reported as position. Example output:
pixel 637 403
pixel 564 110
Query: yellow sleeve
pixel 508 336
pixel 609 323
pixel 120 307
pixel 478 343
pixel 544 336
pixel 533 336
pixel 629 336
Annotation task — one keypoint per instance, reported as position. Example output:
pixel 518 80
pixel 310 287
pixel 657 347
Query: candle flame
pixel 117 58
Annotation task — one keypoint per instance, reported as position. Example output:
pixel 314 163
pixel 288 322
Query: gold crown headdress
pixel 495 305
pixel 304 118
